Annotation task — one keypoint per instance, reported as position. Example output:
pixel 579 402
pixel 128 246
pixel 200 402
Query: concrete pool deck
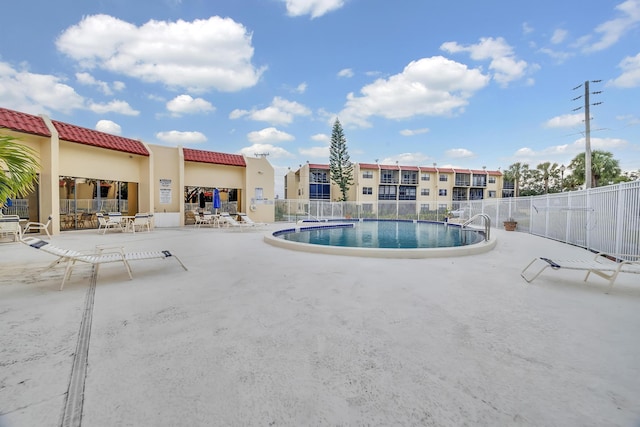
pixel 258 335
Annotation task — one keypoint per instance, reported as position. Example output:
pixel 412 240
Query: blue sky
pixel 461 83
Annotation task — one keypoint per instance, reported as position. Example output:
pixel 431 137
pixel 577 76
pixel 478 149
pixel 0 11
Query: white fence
pixel 603 219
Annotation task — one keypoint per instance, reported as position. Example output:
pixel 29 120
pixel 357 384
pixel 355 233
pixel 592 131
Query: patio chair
pixel 104 224
pixel 605 265
pixel 96 257
pixel 141 221
pixel 10 225
pixel 38 226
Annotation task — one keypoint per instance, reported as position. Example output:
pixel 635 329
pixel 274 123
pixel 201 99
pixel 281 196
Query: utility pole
pixel 587 129
pixel 587 138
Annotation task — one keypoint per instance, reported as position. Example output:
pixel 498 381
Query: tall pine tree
pixel 340 167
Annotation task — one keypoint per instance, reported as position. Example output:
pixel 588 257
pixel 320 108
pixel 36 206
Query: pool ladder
pixel 487 223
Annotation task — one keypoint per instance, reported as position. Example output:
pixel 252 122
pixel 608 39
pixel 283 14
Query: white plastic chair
pixel 38 226
pixel 104 224
pixel 10 224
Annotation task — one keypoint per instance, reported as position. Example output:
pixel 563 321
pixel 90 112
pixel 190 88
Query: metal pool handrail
pixel 487 223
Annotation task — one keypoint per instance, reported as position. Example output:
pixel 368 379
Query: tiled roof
pixel 389 167
pixel 409 168
pixel 368 166
pixel 94 138
pixel 23 122
pixel 427 169
pixel 202 156
pixel 495 173
pixel 318 166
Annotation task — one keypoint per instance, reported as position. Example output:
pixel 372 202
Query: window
pixel 425 177
pixel 387 192
pixel 424 192
pixel 424 207
pixel 367 175
pixel 367 190
pixel 442 192
pixel 319 191
pixel 443 178
pixel 388 177
pixel 492 180
pixel 492 194
pixel 407 193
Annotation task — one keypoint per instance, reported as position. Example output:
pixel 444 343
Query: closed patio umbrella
pixel 202 200
pixel 216 200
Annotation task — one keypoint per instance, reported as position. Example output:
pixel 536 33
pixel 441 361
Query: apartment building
pixel 430 188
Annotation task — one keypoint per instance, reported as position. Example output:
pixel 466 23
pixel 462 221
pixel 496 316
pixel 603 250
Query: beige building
pixel 83 171
pixel 427 188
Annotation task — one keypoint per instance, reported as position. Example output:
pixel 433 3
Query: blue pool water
pixel 385 234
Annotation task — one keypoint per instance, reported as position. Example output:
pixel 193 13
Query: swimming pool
pixel 383 239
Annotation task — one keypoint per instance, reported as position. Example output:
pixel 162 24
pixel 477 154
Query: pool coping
pixel 417 253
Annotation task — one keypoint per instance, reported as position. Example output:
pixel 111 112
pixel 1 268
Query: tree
pixel 604 168
pixel 548 172
pixel 340 167
pixel 516 174
pixel 19 167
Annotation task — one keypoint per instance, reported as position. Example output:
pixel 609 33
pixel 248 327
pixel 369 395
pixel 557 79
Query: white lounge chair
pixel 38 226
pixel 96 257
pixel 228 220
pixel 10 225
pixel 245 218
pixel 604 265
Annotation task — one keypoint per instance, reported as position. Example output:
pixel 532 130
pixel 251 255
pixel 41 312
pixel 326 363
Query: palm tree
pixel 19 167
pixel 548 171
pixel 516 174
pixel 604 167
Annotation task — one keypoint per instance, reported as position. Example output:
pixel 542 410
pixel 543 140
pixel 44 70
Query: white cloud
pixel 185 104
pixel 274 151
pixel 566 152
pixel 526 28
pixel 503 61
pixel 321 137
pixel 115 106
pixel 280 112
pixel 36 93
pixel 557 55
pixel 611 31
pixel 267 135
pixel 407 159
pixel 314 8
pixel 412 132
pixel 630 76
pixel 119 86
pixel 89 80
pixel 433 86
pixel 346 72
pixel 559 36
pixel 459 153
pixel 315 152
pixel 107 126
pixel 179 137
pixel 301 88
pixel 198 56
pixel 564 121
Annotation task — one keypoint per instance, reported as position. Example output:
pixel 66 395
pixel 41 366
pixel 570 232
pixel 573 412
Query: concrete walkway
pixel 254 335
